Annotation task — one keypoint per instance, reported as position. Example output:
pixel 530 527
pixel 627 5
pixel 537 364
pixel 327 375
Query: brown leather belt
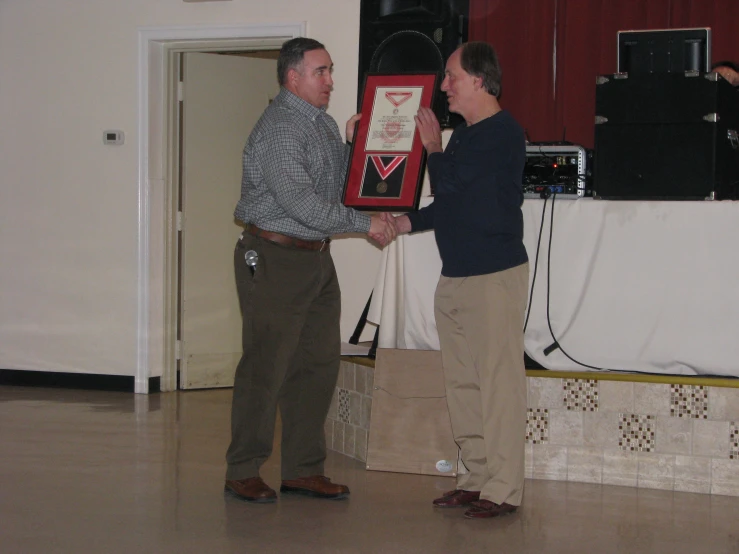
pixel 284 240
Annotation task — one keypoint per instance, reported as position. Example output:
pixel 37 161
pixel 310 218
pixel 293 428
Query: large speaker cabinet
pixel 666 136
pixel 401 36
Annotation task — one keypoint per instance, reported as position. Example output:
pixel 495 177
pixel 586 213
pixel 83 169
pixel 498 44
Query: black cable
pixel 556 344
pixel 549 349
pixel 536 263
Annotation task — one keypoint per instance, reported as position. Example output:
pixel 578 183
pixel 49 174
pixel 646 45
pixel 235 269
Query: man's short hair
pixel 291 55
pixel 480 60
pixel 726 63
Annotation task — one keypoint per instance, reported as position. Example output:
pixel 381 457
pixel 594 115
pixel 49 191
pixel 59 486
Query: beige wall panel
pixel 410 431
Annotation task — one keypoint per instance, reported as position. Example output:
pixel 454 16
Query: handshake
pixel 385 227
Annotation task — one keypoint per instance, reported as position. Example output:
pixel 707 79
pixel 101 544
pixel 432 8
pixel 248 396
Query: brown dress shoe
pixel 252 489
pixel 315 485
pixel 457 498
pixel 485 508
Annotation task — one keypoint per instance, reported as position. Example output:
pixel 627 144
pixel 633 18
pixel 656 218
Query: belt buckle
pixel 324 244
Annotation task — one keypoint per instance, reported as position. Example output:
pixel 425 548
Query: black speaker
pixel 671 136
pixel 401 36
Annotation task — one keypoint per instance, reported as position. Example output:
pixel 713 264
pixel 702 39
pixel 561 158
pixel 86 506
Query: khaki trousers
pixel 292 348
pixel 480 324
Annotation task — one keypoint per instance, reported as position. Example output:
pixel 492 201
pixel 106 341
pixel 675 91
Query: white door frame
pixel 155 46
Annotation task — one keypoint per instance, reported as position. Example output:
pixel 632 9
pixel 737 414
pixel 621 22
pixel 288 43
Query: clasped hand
pixel 383 229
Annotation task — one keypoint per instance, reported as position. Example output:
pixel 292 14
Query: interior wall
pixel 68 203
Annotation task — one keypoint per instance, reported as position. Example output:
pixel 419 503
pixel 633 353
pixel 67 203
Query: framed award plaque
pixel 387 157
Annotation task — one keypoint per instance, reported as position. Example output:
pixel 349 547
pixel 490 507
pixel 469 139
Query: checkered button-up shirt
pixel 295 163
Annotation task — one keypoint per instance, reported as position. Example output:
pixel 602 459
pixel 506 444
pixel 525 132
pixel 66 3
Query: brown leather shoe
pixel 457 498
pixel 315 485
pixel 485 508
pixel 252 489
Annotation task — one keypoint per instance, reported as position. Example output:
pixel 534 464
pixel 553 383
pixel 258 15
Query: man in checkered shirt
pixel 295 163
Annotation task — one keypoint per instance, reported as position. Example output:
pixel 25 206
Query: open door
pixel 223 97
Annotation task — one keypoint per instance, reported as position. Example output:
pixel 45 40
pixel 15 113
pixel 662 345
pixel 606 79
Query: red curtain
pixel 721 16
pixel 549 85
pixel 522 34
pixel 587 47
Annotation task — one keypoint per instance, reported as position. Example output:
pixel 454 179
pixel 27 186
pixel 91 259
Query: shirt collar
pixel 298 104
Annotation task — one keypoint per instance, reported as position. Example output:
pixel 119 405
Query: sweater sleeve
pixel 423 219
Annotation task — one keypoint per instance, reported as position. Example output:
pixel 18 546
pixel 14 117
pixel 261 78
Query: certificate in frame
pixel 387 157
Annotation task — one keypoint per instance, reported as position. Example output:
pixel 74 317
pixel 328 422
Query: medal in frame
pixel 387 157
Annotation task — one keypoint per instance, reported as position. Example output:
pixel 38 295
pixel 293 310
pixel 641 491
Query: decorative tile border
pixel 345 412
pixel 537 426
pixel 689 401
pixel 348 421
pixel 688 442
pixel 637 432
pixel 581 394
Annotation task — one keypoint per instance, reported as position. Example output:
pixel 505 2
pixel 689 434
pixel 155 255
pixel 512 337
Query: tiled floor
pixel 103 472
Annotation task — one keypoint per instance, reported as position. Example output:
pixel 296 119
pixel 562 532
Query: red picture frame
pixel 387 157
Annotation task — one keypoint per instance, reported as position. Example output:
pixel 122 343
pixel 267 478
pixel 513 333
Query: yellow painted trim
pixel 694 380
pixel 359 360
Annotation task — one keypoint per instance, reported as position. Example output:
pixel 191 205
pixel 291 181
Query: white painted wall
pixel 68 204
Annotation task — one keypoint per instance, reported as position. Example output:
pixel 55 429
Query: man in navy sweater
pixel 480 299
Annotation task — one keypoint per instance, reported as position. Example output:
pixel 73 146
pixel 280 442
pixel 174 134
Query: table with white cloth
pixel 644 286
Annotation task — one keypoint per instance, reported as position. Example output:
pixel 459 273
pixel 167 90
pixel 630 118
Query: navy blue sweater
pixel 476 213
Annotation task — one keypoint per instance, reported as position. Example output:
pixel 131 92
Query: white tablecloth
pixel 637 286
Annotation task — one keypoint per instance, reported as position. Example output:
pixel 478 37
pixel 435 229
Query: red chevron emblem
pixel 397 98
pixel 384 170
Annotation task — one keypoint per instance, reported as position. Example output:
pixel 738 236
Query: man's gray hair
pixel 480 60
pixel 291 55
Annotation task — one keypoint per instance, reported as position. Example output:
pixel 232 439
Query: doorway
pixel 221 96
pixel 167 280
